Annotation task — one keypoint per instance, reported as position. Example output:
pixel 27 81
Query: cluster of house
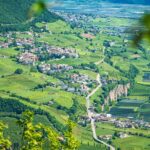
pixel 80 21
pixel 80 90
pixel 109 43
pixel 82 80
pixel 104 80
pixel 27 58
pixel 79 78
pixel 53 68
pixel 131 124
pixel 123 124
pixel 127 123
pixel 105 137
pixel 6 44
pixel 62 52
pixel 109 137
pixel 17 41
pixel 24 41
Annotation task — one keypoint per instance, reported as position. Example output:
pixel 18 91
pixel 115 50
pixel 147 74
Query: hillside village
pixel 89 75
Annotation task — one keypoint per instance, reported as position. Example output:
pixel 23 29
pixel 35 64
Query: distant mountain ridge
pixel 145 2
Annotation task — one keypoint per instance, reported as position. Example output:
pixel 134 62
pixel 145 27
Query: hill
pixel 14 11
pixel 14 15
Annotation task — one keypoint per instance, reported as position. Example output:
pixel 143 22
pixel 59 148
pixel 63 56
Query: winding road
pixel 88 104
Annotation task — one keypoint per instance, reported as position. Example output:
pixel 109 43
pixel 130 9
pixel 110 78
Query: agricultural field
pixel 132 143
pixel 132 108
pixel 129 142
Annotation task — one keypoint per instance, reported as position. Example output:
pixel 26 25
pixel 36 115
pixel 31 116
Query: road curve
pixel 93 127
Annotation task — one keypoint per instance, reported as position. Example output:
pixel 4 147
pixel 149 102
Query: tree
pixel 32 136
pixel 148 65
pixel 133 71
pixel 18 71
pixel 70 142
pixel 54 139
pixel 4 143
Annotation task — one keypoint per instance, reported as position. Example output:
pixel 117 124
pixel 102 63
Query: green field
pixel 141 90
pixel 132 143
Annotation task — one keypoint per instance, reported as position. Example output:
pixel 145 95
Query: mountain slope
pixel 16 11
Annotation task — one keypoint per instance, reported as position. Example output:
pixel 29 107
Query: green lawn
pixel 132 143
pixel 8 52
pixel 8 66
pixel 111 71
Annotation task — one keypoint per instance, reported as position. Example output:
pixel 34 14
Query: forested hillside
pixel 14 11
pixel 14 15
pixel 17 11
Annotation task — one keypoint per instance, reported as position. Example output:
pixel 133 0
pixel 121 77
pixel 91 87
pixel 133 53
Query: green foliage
pixel 15 15
pixel 4 143
pixel 142 32
pixel 16 106
pixel 70 142
pixel 33 69
pixel 53 138
pixel 14 11
pixel 18 71
pixel 34 136
pixel 37 8
pixel 133 71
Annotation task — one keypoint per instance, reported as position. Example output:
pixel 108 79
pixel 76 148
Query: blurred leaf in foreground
pixel 37 8
pixel 142 32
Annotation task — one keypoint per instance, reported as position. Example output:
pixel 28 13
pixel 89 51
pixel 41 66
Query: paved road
pixel 93 127
pixel 95 136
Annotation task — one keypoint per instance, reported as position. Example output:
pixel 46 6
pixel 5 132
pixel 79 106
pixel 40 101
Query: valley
pixel 82 67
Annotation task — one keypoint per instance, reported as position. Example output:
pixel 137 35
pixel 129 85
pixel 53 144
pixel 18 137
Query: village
pixel 120 124
pixel 53 68
pixel 37 54
pixel 79 84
